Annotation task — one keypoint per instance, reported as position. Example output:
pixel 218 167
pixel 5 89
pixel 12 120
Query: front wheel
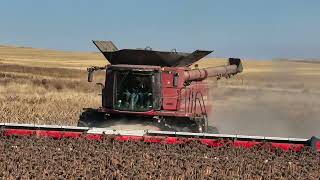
pixel 90 118
pixel 201 124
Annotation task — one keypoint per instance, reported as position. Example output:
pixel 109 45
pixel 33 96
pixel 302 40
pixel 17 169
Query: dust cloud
pixel 265 113
pixel 127 124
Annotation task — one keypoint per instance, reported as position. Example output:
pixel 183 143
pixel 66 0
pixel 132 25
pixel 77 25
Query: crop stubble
pixel 33 157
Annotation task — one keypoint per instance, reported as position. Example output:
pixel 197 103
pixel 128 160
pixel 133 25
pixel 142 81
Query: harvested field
pixel 270 98
pixel 42 158
pixel 45 95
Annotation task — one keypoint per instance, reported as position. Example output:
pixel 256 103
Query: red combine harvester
pixel 161 87
pixel 157 86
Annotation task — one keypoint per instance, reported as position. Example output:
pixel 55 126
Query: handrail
pixel 190 99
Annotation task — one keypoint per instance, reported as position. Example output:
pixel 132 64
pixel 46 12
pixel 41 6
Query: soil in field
pixel 43 158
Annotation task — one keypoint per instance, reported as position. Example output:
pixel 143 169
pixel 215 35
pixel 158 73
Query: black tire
pixel 201 124
pixel 89 118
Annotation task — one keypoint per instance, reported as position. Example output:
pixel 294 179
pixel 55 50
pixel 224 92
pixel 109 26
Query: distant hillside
pixel 28 56
pixel 301 60
pixel 49 58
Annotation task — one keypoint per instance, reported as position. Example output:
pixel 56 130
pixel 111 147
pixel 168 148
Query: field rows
pixel 43 158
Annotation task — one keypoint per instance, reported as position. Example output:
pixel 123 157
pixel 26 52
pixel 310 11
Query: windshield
pixel 134 90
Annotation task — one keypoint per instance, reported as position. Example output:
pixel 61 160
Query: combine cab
pixel 157 86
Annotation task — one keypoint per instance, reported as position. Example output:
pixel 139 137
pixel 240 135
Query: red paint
pixel 169 91
pixel 53 134
pixel 97 137
pixel 173 140
pixel 22 132
pixel 151 139
pixel 42 133
pixel 170 99
pixel 178 100
pixel 212 142
pixel 167 78
pixel 318 145
pixel 288 146
pixel 245 144
pixel 129 138
pixel 72 134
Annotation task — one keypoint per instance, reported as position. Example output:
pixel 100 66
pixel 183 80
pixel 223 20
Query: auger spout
pixel 232 68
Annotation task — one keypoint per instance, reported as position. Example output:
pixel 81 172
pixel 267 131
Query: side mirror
pixel 90 74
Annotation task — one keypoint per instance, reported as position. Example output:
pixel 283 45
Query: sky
pixel 256 29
